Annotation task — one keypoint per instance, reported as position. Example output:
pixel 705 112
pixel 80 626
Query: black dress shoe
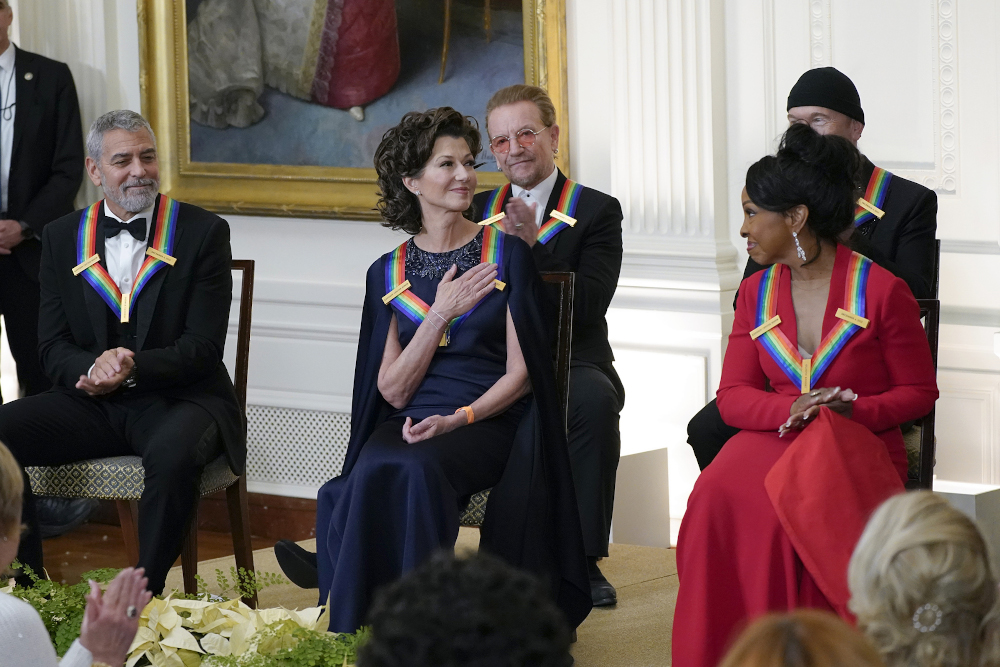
pixel 298 564
pixel 602 593
pixel 58 516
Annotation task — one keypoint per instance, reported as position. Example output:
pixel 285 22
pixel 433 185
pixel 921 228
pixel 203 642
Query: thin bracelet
pixel 468 413
pixel 440 317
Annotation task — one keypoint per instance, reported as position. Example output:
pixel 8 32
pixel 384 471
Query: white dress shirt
pixel 124 254
pixel 8 96
pixel 26 642
pixel 538 195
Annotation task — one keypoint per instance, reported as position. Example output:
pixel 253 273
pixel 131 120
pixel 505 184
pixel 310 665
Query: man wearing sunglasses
pixel 569 228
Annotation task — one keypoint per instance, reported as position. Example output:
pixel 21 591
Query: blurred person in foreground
pixel 771 524
pixel 478 611
pixel 110 620
pixel 802 638
pixel 922 585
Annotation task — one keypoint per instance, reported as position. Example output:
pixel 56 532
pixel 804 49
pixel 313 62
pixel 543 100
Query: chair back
pixel 245 267
pixel 923 476
pixel 565 285
pixel 937 269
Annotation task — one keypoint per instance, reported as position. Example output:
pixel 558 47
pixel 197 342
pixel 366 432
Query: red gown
pixel 735 560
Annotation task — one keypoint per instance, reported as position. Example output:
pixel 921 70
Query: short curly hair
pixel 472 611
pixel 918 550
pixel 405 150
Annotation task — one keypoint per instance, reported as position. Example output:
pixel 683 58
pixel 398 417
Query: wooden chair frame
pixel 236 493
pixel 565 283
pixel 930 312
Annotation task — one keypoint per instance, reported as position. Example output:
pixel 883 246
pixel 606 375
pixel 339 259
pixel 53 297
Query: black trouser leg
pixel 594 449
pixel 51 429
pixel 19 298
pixel 707 433
pixel 176 439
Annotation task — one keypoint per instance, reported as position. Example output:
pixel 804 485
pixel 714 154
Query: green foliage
pixel 287 645
pixel 60 606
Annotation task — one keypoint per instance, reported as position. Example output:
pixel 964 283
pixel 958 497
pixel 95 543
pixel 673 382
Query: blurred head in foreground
pixel 476 611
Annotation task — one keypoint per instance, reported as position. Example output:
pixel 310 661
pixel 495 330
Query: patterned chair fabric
pixel 475 512
pixel 114 478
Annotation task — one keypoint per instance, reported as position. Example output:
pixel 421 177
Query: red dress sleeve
pixel 742 400
pixel 907 355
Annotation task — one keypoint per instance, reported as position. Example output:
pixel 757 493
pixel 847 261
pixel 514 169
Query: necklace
pixel 798 284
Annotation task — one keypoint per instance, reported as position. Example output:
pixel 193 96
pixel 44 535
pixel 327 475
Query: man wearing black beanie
pixel 895 222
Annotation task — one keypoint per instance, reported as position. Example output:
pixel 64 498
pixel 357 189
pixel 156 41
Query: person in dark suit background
pixel 41 168
pixel 524 139
pixel 136 291
pixel 897 231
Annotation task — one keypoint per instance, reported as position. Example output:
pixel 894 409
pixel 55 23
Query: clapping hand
pixel 520 220
pixel 431 426
pixel 806 407
pixel 109 371
pixel 111 621
pixel 456 296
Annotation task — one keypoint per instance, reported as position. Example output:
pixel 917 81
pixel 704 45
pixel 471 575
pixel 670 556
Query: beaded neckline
pixel 434 265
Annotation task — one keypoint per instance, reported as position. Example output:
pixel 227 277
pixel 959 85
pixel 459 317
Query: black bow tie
pixel 112 227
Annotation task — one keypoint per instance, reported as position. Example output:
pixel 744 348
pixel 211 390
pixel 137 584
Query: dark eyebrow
pixel 747 201
pixel 120 155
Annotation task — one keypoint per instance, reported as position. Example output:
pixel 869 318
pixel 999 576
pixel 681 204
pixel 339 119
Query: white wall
pixel 670 101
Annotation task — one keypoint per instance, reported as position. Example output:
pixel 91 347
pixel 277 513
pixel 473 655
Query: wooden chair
pixel 920 441
pixel 121 478
pixel 564 283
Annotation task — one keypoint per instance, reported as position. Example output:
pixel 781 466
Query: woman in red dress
pixel 827 328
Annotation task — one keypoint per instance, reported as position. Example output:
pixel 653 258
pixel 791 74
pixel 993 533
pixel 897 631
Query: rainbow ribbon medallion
pixel 165 219
pixel 415 308
pixel 875 194
pixel 493 213
pixel 565 211
pixel 804 373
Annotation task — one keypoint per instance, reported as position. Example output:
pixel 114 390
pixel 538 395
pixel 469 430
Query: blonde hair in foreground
pixel 11 490
pixel 919 550
pixel 803 638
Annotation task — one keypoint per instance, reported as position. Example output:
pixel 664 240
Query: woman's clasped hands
pixel 457 296
pixel 806 407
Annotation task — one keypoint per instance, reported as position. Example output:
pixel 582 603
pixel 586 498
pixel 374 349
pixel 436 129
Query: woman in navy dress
pixel 453 393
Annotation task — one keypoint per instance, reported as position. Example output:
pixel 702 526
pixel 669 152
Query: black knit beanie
pixel 827 87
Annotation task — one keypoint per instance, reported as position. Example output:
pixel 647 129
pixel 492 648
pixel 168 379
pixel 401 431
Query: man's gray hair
pixel 122 119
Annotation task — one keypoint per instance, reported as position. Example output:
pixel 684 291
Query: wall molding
pixel 970 316
pixel 298 400
pixel 820 34
pixel 970 247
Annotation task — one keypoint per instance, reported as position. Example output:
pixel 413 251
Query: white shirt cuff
pixel 77 656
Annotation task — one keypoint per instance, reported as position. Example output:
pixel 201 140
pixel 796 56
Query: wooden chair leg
pixel 447 36
pixel 128 511
pixel 239 525
pixel 189 556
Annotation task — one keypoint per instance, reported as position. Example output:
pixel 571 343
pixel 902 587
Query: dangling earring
pixel 798 247
pixel 555 152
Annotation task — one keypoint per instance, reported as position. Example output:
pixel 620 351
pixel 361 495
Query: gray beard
pixel 133 200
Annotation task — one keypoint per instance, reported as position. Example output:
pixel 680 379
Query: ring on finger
pixel 814 393
pixel 518 225
pixel 130 612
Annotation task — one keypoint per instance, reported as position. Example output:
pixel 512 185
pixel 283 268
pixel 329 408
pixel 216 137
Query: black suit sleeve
pixel 62 359
pixel 599 266
pixel 196 355
pixel 916 250
pixel 56 197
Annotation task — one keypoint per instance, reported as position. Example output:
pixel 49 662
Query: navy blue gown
pixel 397 503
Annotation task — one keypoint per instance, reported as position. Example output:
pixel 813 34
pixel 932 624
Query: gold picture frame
pixel 288 190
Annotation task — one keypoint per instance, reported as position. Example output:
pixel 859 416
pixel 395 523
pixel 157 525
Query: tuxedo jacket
pixel 181 318
pixel 46 166
pixel 593 250
pixel 903 241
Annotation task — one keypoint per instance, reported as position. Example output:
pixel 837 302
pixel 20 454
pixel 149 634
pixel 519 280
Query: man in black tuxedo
pixel 41 168
pixel 897 232
pixel 524 139
pixel 145 378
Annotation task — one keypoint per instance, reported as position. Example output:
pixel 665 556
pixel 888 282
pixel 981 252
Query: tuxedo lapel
pixel 96 308
pixel 146 304
pixel 26 77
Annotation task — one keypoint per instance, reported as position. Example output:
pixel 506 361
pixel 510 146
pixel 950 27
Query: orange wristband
pixel 468 413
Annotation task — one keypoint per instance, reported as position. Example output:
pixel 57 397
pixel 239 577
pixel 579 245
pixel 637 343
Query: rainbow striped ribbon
pixel 415 308
pixel 569 199
pixel 165 219
pixel 781 349
pixel 878 188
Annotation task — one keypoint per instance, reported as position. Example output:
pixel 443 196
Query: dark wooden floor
pixel 95 545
